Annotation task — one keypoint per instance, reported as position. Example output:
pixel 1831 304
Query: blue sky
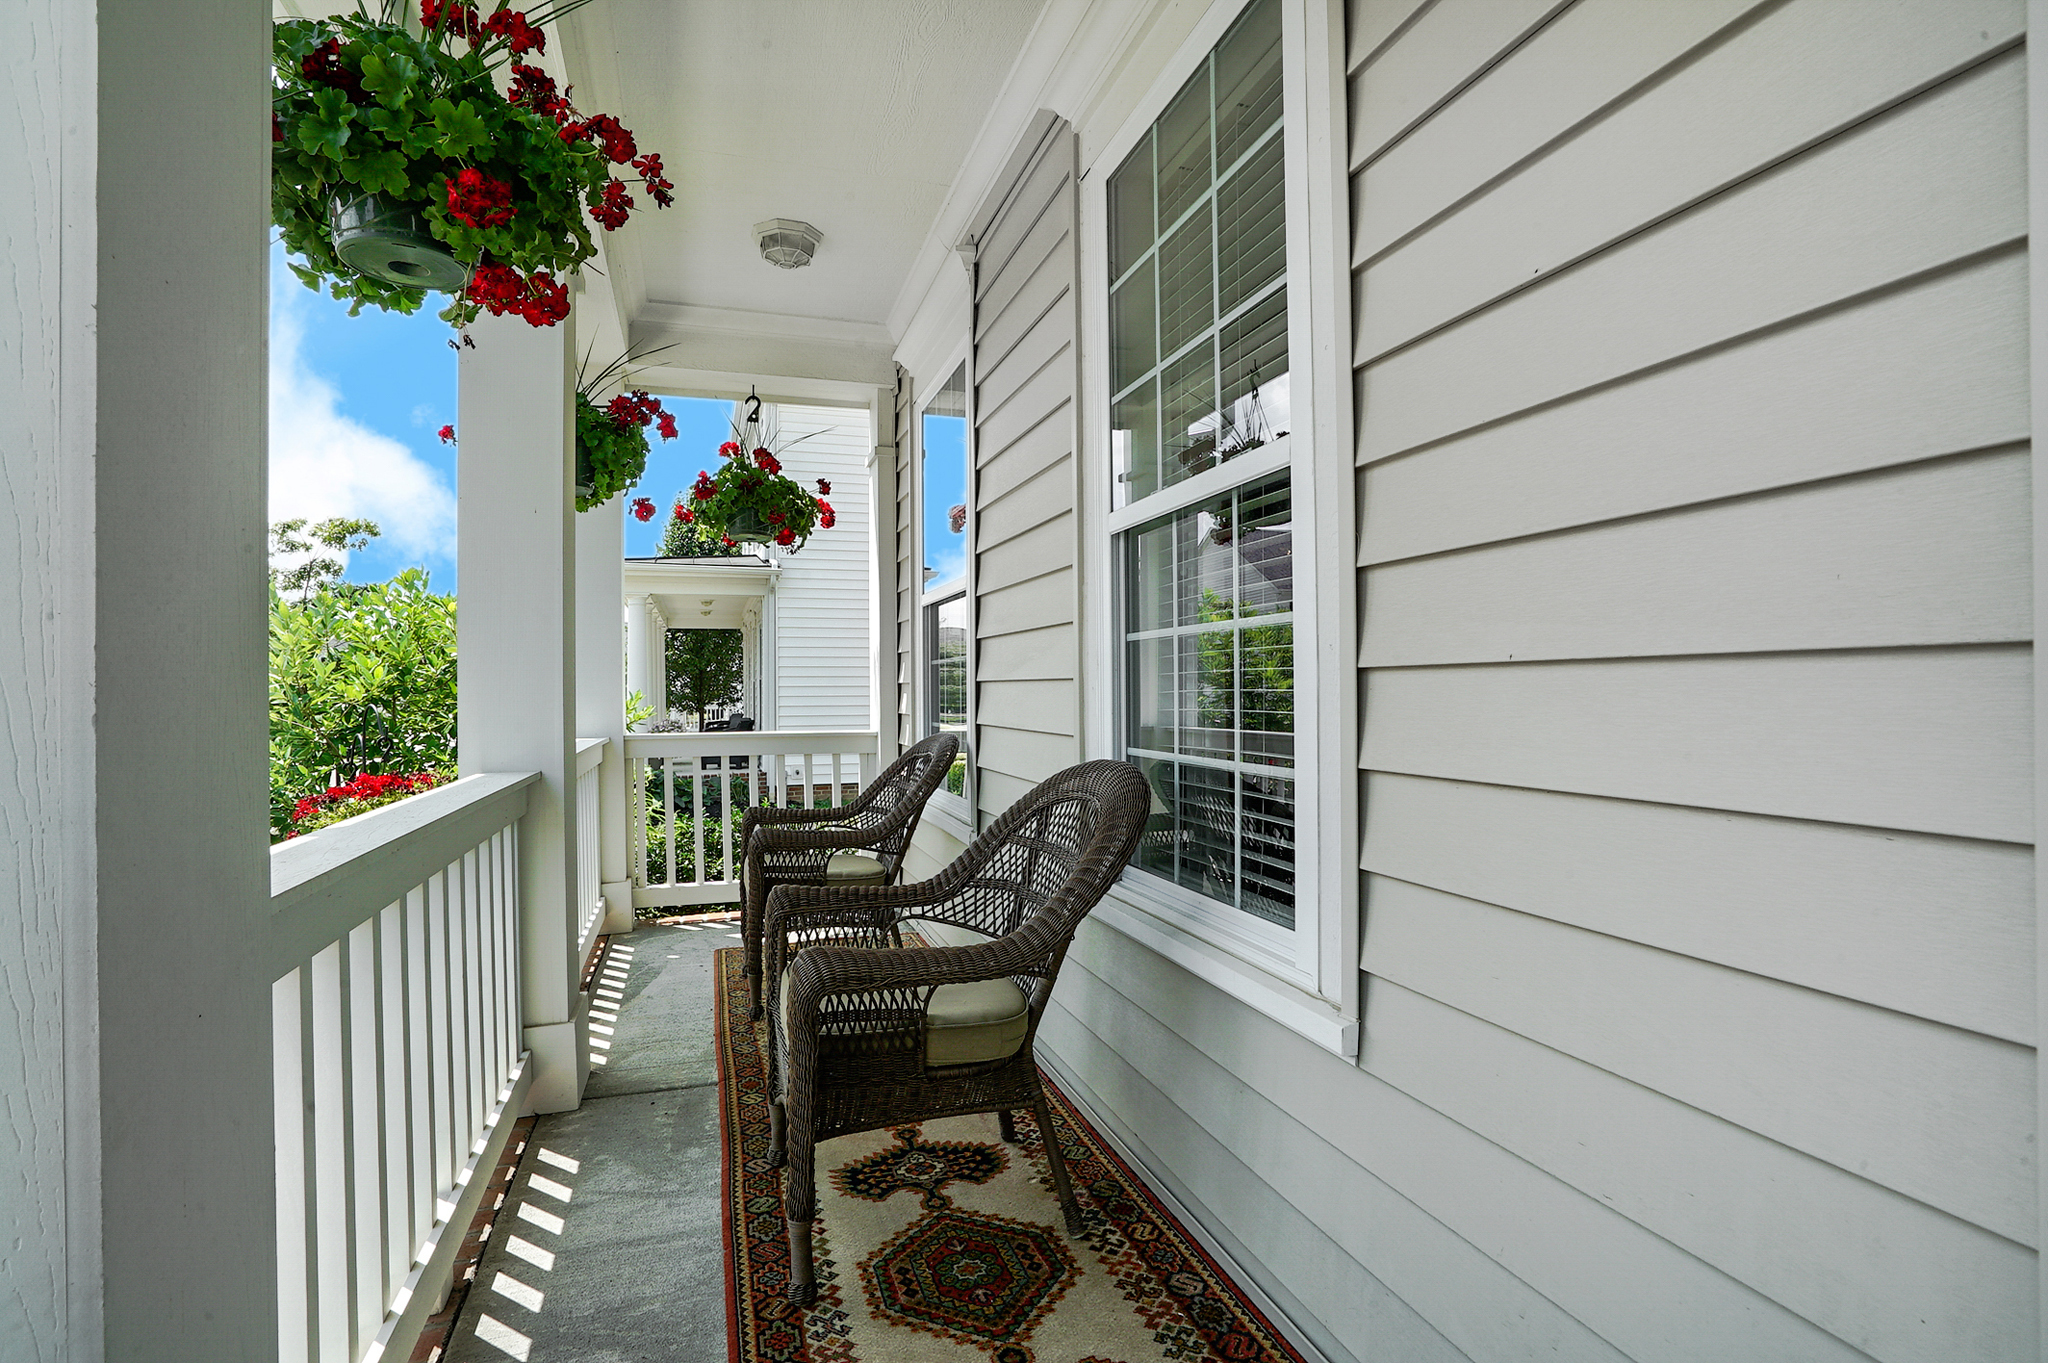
pixel 702 425
pixel 355 404
pixel 945 487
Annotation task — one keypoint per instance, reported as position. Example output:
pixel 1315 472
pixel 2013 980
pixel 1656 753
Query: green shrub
pixel 362 681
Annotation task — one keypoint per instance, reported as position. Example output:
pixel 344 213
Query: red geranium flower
pixel 476 199
pixel 824 488
pixel 612 209
pixel 667 426
pixel 447 434
pixel 785 536
pixel 729 448
pixel 520 35
pixel 643 509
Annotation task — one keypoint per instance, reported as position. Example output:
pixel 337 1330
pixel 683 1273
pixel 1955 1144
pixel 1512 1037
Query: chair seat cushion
pixel 965 1024
pixel 854 868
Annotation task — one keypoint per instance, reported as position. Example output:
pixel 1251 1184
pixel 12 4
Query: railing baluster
pixel 366 1112
pixel 330 1159
pixel 493 997
pixel 727 797
pixel 509 916
pixel 637 819
pixel 476 1081
pixel 289 1072
pixel 397 1144
pixel 419 1064
pixel 699 793
pixel 437 1010
pixel 668 801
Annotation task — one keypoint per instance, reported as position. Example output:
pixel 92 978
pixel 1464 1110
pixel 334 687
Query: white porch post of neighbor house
pixel 636 646
pixel 516 654
pixel 657 660
pixel 601 693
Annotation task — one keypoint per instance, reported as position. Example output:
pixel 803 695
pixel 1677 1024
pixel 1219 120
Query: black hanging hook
pixel 753 407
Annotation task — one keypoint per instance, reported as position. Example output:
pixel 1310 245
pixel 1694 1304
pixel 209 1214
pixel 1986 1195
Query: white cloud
pixel 323 464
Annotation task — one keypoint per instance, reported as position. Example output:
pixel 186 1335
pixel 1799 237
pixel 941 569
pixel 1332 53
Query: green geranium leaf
pixel 391 77
pixel 379 172
pixel 324 129
pixel 462 130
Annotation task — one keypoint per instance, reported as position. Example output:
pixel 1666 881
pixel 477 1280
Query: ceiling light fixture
pixel 787 243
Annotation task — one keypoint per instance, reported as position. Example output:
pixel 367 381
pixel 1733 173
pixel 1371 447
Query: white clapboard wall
pixel 1025 381
pixel 821 597
pixel 1694 549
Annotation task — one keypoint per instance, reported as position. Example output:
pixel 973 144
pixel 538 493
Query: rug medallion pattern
pixel 938 1241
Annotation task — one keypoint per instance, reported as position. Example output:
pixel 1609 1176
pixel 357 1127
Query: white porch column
pixel 750 660
pixel 134 886
pixel 517 648
pixel 657 659
pixel 636 647
pixel 601 691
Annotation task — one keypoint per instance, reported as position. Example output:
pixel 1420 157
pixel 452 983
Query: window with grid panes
pixel 1199 377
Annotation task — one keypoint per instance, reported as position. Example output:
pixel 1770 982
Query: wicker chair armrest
pixel 782 837
pixel 810 913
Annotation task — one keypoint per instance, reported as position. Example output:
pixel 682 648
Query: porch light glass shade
pixel 787 243
pixel 1197 249
pixel 1209 695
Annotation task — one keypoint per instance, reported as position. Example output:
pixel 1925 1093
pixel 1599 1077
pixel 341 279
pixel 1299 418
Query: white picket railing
pixel 691 790
pixel 394 944
pixel 589 871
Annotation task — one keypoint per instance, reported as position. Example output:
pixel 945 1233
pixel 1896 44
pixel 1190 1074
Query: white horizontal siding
pixel 1936 553
pixel 1937 1113
pixel 1931 740
pixel 1519 1265
pixel 821 598
pixel 1934 368
pixel 1942 928
pixel 1026 697
pixel 1928 183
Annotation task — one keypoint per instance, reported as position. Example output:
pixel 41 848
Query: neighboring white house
pixel 804 615
pixel 1545 489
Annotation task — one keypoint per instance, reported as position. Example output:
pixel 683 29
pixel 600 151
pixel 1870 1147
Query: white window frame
pixel 956 811
pixel 1307 978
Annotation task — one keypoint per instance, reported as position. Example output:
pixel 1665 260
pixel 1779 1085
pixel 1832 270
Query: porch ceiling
pixel 853 117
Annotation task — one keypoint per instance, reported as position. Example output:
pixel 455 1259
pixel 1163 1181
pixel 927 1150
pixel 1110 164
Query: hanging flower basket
pixel 750 499
pixel 611 440
pixel 399 167
pixel 390 242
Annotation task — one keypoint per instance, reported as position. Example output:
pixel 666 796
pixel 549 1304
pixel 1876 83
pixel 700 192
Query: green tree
pixel 706 668
pixel 684 539
pixel 362 681
pixel 343 534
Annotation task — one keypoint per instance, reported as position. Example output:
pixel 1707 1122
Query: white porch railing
pixel 394 944
pixel 589 871
pixel 689 792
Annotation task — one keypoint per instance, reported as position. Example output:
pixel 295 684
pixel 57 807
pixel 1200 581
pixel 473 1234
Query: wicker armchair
pixel 873 1034
pixel 857 844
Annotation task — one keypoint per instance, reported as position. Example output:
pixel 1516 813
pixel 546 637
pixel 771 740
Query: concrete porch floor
pixel 607 1249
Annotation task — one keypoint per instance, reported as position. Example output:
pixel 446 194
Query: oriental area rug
pixel 939 1242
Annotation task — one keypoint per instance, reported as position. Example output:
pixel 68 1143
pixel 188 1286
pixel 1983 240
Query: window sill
pixel 1133 913
pixel 948 815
